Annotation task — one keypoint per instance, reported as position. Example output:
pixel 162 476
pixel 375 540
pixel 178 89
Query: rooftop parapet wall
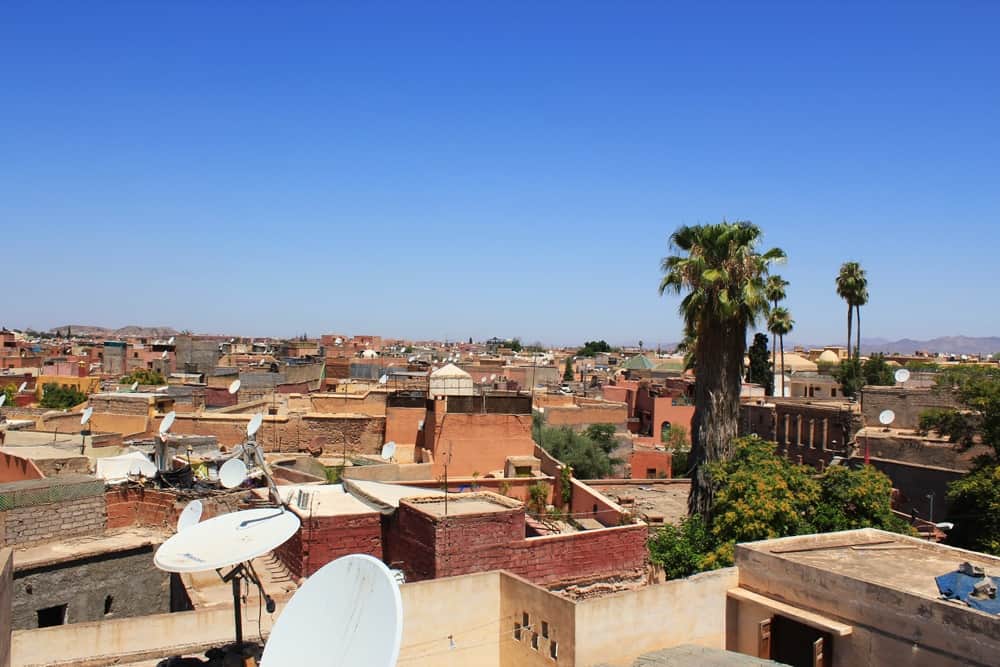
pixel 907 404
pixel 6 602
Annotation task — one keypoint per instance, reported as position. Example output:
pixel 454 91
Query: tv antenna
pixel 170 341
pixel 160 447
pixel 233 473
pixel 135 385
pixel 164 355
pixel 3 399
pixel 389 450
pixel 348 613
pixel 24 385
pixel 84 430
pixel 886 417
pixel 901 376
pixel 234 387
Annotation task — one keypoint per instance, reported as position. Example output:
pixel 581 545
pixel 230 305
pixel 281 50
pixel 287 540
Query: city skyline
pixel 450 172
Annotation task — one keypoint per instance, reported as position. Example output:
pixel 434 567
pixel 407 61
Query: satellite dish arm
pixel 258 453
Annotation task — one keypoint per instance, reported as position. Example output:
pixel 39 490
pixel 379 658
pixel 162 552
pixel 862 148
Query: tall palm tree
pixel 780 324
pixel 860 299
pixel 852 287
pixel 721 273
pixel 774 287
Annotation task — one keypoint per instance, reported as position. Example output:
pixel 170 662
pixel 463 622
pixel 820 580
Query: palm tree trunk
pixel 850 319
pixel 857 348
pixel 719 359
pixel 782 339
pixel 774 352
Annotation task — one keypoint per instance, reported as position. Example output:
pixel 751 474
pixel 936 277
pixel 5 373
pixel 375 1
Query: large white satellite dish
pixel 232 473
pixel 234 386
pixel 226 540
pixel 389 450
pixel 24 385
pixel 167 422
pixel 901 375
pixel 190 516
pixel 87 414
pixel 886 417
pixel 254 424
pixel 348 614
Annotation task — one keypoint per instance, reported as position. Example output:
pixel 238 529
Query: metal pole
pixel 237 611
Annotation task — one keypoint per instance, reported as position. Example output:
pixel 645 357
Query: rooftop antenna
pixel 170 341
pixel 886 417
pixel 257 456
pixel 135 385
pixel 3 399
pixel 901 376
pixel 24 385
pixel 164 354
pixel 233 473
pixel 389 450
pixel 234 387
pixel 349 612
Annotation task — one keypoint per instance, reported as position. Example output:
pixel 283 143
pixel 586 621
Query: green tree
pixel 589 459
pixel 681 550
pixel 852 287
pixel 603 435
pixel 876 371
pixel 760 371
pixel 593 347
pixel 514 344
pixel 568 371
pixel 774 288
pixel 59 398
pixel 144 376
pixel 852 499
pixel 974 508
pixel 850 376
pixel 721 273
pixel 677 443
pixel 780 323
pixel 10 391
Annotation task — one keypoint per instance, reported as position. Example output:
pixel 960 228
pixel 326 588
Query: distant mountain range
pixel 943 344
pixel 131 330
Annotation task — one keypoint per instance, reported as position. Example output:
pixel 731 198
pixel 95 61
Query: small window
pixel 517 631
pixel 545 629
pixel 534 640
pixel 554 650
pixel 108 602
pixel 51 616
pixel 650 473
pixel 525 619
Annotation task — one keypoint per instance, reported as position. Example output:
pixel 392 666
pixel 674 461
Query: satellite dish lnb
pixel 234 386
pixel 167 422
pixel 902 375
pixel 87 414
pixel 190 516
pixel 254 425
pixel 886 417
pixel 232 473
pixel 349 612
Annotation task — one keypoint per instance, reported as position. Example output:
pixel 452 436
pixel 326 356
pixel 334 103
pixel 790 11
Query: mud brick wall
pixel 321 540
pixel 52 521
pixel 906 403
pixel 129 506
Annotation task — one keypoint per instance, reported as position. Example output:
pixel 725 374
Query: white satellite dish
pixel 170 341
pixel 190 516
pixel 886 417
pixel 348 613
pixel 226 539
pixel 87 414
pixel 482 380
pixel 3 399
pixel 135 385
pixel 142 468
pixel 493 377
pixel 389 450
pixel 254 424
pixel 234 386
pixel 167 422
pixel 901 375
pixel 24 385
pixel 383 379
pixel 232 473
pixel 411 359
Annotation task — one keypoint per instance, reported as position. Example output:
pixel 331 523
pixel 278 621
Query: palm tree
pixel 780 324
pixel 852 287
pixel 775 289
pixel 721 273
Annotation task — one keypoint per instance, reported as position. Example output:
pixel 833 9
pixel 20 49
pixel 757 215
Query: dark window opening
pixel 51 616
pixel 517 631
pixel 108 601
pixel 525 620
pixel 554 650
pixel 794 643
pixel 534 640
pixel 650 473
pixel 545 629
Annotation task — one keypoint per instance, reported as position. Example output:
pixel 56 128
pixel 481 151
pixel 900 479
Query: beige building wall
pixel 616 629
pixel 519 598
pixel 6 593
pixel 465 610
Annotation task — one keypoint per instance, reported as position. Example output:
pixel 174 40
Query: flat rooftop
pixel 323 499
pixel 464 504
pixel 885 559
pixel 650 498
pixel 78 548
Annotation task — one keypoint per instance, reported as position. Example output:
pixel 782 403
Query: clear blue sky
pixel 448 170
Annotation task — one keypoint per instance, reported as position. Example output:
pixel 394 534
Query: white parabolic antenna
pixel 24 385
pixel 886 417
pixel 902 375
pixel 3 399
pixel 383 379
pixel 234 386
pixel 226 540
pixel 135 385
pixel 389 450
pixel 348 614
pixel 167 422
pixel 254 424
pixel 164 355
pixel 190 516
pixel 87 414
pixel 232 473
